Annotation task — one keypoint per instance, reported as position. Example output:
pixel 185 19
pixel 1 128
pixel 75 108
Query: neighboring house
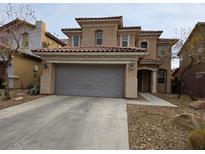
pixel 25 68
pixel 175 83
pixel 192 63
pixel 107 59
pixel 65 41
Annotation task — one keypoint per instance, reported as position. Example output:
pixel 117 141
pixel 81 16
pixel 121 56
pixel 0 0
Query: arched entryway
pixel 144 80
pixel 147 80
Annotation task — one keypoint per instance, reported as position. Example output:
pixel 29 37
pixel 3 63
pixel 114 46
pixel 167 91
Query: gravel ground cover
pixel 152 127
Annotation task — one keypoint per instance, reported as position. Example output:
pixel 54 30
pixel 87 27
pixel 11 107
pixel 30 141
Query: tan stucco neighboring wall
pixel 44 38
pixel 52 43
pixel 23 72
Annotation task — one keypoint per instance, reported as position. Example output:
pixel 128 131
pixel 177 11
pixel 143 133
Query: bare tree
pixel 12 17
pixel 182 34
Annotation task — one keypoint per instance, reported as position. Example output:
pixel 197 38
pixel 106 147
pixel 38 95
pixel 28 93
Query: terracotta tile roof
pixel 98 18
pixel 55 38
pixel 169 41
pixel 150 60
pixel 90 49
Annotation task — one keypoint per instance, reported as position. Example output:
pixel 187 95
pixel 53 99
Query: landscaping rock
pixel 198 105
pixel 161 132
pixel 17 98
pixel 197 139
pixel 188 121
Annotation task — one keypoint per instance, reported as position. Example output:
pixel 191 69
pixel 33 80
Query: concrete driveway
pixel 65 122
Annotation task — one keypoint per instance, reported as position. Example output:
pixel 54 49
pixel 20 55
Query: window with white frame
pixel 144 44
pixel 125 39
pixel 76 40
pixel 98 37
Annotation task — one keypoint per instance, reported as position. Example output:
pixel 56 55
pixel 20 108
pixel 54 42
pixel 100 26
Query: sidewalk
pixel 151 100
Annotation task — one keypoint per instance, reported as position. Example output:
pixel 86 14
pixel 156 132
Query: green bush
pixel 197 139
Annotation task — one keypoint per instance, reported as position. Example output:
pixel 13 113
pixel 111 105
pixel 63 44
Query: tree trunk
pixel 6 86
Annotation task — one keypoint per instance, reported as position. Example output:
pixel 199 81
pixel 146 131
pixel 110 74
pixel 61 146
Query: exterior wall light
pixel 131 66
pixel 45 66
pixel 35 68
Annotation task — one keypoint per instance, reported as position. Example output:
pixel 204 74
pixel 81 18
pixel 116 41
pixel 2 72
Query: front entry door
pixel 144 80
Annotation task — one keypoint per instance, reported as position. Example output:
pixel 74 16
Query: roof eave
pixel 90 54
pixel 82 20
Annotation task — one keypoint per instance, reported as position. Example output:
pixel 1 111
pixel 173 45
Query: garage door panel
pixel 105 81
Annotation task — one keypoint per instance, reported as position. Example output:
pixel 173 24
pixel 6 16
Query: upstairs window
pixel 162 76
pixel 144 44
pixel 76 40
pixel 98 37
pixel 125 40
pixel 162 51
pixel 25 40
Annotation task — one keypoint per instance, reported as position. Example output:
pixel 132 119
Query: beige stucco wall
pixel 23 69
pixel 152 45
pixel 131 35
pixel 47 79
pixel 166 65
pixel 131 81
pixel 109 34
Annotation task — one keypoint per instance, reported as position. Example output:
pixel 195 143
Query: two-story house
pixel 25 67
pixel 106 58
pixel 192 64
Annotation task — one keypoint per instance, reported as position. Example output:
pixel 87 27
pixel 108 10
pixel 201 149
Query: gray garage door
pixel 89 80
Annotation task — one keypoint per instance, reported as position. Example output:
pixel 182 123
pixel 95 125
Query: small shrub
pixel 197 139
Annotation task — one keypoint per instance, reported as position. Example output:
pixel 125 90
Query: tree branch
pixel 2 56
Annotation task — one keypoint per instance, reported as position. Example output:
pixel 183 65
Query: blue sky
pixel 166 17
